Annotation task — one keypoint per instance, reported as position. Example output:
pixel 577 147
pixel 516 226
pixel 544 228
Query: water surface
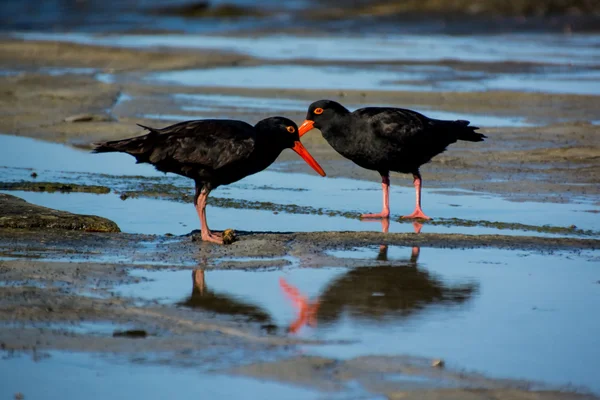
pixel 511 314
pixel 536 48
pixel 55 162
pixel 89 376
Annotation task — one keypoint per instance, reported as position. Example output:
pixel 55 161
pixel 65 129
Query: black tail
pixel 105 147
pixel 148 128
pixel 133 146
pixel 464 131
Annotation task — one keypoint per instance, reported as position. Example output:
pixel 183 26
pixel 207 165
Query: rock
pixel 52 187
pixel 16 213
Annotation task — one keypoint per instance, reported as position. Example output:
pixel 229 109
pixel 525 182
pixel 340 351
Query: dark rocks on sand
pixel 16 213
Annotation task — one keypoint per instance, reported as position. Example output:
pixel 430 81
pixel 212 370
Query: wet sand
pixel 45 301
pixel 56 279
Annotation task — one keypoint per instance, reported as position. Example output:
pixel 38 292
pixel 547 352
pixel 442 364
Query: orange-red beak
pixel 306 126
pixel 302 152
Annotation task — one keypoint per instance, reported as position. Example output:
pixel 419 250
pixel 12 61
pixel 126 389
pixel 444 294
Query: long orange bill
pixel 306 126
pixel 302 152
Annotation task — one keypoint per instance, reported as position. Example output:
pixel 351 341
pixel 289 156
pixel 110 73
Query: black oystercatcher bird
pixel 386 139
pixel 213 152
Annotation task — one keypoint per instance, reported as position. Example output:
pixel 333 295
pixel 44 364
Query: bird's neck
pixel 338 126
pixel 267 149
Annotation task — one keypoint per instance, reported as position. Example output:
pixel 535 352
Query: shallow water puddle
pixel 52 71
pixel 284 77
pixel 303 195
pixel 377 78
pixel 504 313
pixel 538 48
pixel 89 376
pixel 152 216
pixel 46 157
pixel 568 60
pixel 585 82
pixel 80 328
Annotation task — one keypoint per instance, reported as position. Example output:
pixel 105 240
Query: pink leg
pixel 385 228
pixel 418 213
pixel 206 234
pixel 211 233
pixel 198 279
pixel 414 255
pixel 385 212
pixel 383 249
pixel 385 225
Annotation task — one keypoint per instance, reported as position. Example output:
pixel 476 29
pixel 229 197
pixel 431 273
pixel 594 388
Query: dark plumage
pixel 202 298
pixel 387 139
pixel 213 152
pixel 403 289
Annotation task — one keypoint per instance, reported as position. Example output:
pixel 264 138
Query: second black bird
pixel 386 139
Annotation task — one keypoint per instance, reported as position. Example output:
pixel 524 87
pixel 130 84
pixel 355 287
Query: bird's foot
pixel 211 237
pixel 381 215
pixel 417 214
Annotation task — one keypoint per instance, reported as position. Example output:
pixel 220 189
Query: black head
pixel 320 113
pixel 280 130
pixel 283 133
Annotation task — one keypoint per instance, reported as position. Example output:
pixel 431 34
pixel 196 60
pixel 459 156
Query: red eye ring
pixel 291 129
pixel 318 111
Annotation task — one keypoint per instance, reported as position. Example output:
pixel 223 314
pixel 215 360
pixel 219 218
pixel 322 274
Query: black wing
pixel 210 144
pixel 190 145
pixel 394 124
pixel 404 127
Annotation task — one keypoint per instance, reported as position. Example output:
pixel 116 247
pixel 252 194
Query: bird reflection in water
pixel 372 293
pixel 389 292
pixel 385 228
pixel 378 293
pixel 219 303
pixel 307 310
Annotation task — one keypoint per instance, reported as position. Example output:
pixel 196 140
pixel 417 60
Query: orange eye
pixel 318 111
pixel 291 129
